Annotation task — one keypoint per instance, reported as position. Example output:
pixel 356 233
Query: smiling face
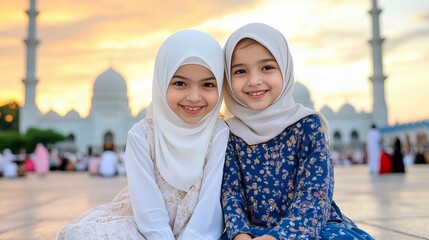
pixel 256 79
pixel 192 92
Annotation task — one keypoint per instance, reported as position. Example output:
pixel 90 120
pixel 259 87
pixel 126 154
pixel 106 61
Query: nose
pixel 194 95
pixel 254 79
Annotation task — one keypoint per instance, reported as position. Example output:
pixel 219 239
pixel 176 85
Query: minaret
pixel 29 112
pixel 379 101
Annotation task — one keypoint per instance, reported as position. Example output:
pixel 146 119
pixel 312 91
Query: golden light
pixel 8 118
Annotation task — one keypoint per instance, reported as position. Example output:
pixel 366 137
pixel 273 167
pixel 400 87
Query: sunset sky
pixel 80 39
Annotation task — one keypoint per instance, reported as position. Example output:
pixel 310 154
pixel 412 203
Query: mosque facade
pixel 106 125
pixel 348 128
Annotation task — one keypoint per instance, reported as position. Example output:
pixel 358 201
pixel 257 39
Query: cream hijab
pixel 180 148
pixel 260 126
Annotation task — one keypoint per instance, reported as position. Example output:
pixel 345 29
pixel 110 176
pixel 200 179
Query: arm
pixel 233 197
pixel 314 187
pixel 207 221
pixel 148 204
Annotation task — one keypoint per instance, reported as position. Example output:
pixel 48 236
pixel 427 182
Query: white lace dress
pixel 195 214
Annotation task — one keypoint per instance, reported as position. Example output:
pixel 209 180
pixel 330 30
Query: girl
pixel 174 157
pixel 278 175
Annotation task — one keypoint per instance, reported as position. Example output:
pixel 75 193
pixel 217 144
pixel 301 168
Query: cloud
pixel 406 37
pixel 421 17
pixel 333 46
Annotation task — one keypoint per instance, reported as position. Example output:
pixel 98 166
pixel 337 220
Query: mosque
pixel 110 117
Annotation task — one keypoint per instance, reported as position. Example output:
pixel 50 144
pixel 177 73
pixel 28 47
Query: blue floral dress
pixel 284 187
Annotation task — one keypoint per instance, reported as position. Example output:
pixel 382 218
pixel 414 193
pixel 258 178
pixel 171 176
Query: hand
pixel 265 237
pixel 242 236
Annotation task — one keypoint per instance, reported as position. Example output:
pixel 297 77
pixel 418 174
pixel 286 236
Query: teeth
pixel 256 93
pixel 193 108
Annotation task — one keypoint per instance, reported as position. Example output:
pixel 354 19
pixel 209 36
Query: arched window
pixel 354 140
pixel 71 137
pixel 337 142
pixel 108 141
pixel 337 136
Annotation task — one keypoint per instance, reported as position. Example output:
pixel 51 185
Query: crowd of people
pixel 43 160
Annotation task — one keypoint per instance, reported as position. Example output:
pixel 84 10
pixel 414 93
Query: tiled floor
pixel 388 207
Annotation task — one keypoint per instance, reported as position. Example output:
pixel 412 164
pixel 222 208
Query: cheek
pixel 212 98
pixel 236 86
pixel 171 98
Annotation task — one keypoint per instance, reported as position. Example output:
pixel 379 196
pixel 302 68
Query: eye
pixel 267 68
pixel 178 83
pixel 239 71
pixel 209 85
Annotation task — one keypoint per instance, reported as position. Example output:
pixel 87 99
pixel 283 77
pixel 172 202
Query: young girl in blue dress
pixel 278 178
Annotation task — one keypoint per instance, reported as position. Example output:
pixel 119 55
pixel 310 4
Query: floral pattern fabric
pixel 284 187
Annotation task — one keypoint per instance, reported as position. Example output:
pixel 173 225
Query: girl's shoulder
pixel 221 126
pixel 221 131
pixel 312 119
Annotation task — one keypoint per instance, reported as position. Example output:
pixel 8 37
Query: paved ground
pixel 388 207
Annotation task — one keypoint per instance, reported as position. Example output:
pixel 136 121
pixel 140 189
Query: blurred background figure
pixel 94 165
pixel 10 169
pixel 398 157
pixel 121 164
pixel 2 163
pixel 373 149
pixel 386 164
pixel 108 163
pixel 54 160
pixel 41 160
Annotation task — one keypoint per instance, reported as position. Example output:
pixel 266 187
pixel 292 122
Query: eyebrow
pixel 260 61
pixel 185 78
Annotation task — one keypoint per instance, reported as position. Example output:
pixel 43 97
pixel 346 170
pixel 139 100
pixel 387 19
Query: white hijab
pixel 180 148
pixel 260 126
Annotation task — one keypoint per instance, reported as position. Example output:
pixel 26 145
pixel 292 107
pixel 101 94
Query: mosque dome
pixel 51 114
pixel 300 91
pixel 72 114
pixel 347 109
pixel 302 95
pixel 327 111
pixel 110 91
pixel 142 114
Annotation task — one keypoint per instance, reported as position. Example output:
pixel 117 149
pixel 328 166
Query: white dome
pixel 347 109
pixel 52 115
pixel 72 114
pixel 302 95
pixel 141 114
pixel 300 92
pixel 327 111
pixel 110 91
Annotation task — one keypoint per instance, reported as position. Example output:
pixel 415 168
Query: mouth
pixel 256 94
pixel 192 109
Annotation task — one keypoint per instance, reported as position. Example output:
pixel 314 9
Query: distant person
pixel 420 158
pixel 174 156
pixel 373 148
pixel 122 171
pixel 41 161
pixel 2 164
pixel 385 161
pixel 108 163
pixel 10 167
pixel 94 164
pixel 278 178
pixel 398 157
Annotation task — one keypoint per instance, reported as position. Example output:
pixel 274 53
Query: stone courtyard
pixel 389 207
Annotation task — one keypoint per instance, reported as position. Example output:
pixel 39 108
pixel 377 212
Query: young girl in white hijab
pixel 174 157
pixel 278 176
